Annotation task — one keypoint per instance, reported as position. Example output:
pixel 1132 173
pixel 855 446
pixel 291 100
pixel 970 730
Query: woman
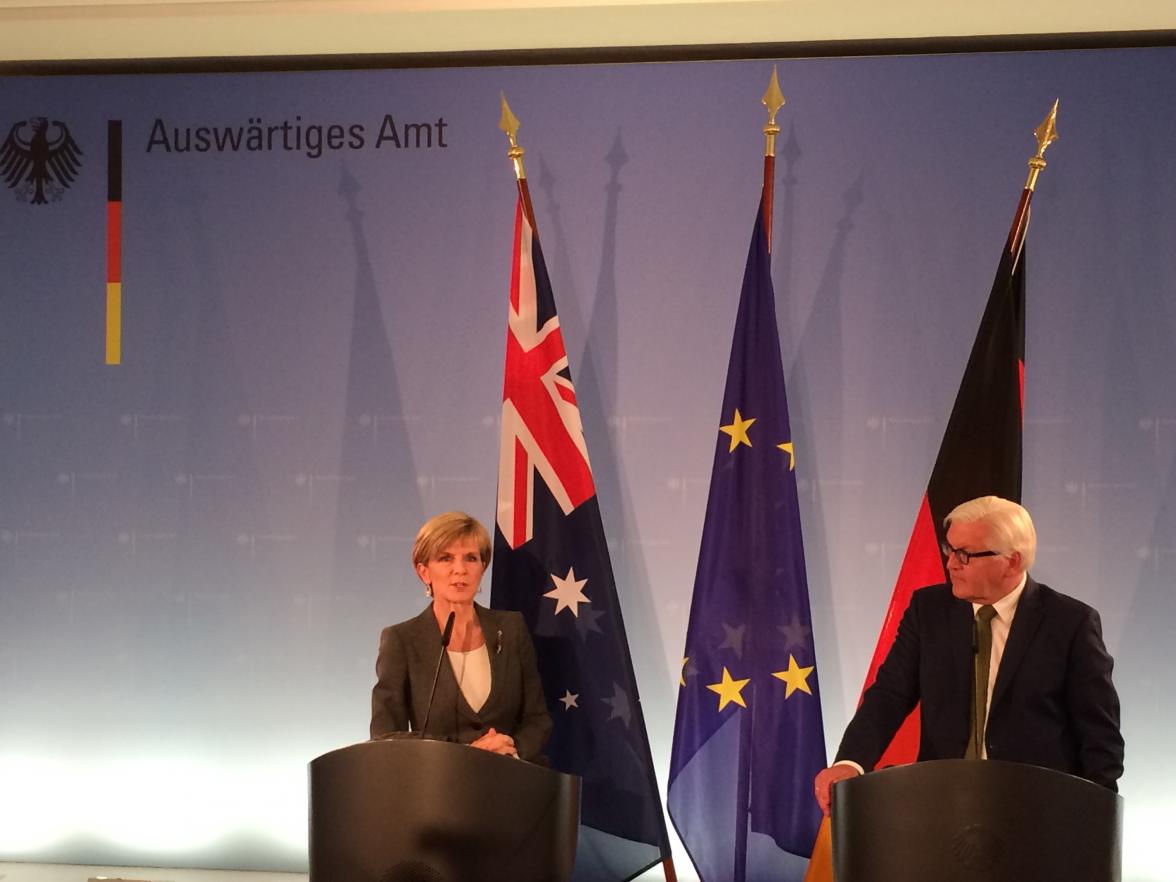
pixel 488 690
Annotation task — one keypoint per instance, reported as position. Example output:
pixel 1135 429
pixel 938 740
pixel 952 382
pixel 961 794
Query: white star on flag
pixel 569 699
pixel 567 593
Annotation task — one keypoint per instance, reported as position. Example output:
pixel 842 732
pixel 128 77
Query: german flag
pixel 114 241
pixel 980 454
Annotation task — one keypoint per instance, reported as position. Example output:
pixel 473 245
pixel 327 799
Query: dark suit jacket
pixel 404 676
pixel 1053 703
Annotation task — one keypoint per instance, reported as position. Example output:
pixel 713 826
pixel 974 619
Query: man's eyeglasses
pixel 965 557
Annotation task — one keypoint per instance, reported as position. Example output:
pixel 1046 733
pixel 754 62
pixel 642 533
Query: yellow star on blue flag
pixel 729 690
pixel 738 431
pixel 790 449
pixel 796 677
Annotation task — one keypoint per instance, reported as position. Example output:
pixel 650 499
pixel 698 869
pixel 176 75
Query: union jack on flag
pixel 541 429
pixel 551 563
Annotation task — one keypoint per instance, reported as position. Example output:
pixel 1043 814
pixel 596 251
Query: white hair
pixel 1008 523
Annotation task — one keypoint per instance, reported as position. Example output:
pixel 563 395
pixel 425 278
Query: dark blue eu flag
pixel 748 738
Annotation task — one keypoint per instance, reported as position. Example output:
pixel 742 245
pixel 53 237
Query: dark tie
pixel 979 713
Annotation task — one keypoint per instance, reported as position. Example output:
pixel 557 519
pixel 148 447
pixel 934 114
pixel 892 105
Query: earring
pixel 428 590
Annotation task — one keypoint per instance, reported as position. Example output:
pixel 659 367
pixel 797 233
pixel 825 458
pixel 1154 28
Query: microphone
pixel 440 657
pixel 975 637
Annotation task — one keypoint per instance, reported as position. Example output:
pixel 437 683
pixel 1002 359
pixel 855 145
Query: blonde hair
pixel 1009 524
pixel 442 530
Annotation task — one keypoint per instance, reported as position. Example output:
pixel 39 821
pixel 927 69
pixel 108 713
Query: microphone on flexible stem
pixel 440 656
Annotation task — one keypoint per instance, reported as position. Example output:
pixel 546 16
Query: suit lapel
pixel 960 626
pixel 427 641
pixel 495 649
pixel 427 636
pixel 1026 621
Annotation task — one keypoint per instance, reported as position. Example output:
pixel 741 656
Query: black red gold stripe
pixel 114 241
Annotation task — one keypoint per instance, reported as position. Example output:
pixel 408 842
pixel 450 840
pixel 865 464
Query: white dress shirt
pixel 1005 608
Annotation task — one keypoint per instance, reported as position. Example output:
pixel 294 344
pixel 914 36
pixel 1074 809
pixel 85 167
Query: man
pixel 1049 700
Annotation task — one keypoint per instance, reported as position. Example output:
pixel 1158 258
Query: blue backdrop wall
pixel 198 547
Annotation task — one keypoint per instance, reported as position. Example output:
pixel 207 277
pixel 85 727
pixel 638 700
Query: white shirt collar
pixel 1006 607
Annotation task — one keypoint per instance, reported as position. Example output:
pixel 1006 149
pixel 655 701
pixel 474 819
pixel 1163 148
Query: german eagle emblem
pixel 39 159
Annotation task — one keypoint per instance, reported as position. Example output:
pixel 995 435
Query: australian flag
pixel 552 564
pixel 748 738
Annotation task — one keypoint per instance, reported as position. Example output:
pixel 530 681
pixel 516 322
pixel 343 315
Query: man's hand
pixel 496 742
pixel 825 780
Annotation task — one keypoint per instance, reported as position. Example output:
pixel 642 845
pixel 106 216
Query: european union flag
pixel 748 738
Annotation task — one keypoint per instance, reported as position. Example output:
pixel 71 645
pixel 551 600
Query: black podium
pixel 975 821
pixel 432 811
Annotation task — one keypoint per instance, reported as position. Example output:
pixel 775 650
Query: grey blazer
pixel 404 675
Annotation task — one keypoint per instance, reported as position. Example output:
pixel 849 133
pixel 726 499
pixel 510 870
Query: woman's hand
pixel 495 742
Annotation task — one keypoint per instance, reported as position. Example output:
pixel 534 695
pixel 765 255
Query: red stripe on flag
pixel 922 566
pixel 567 393
pixel 522 503
pixel 114 241
pixel 525 388
pixel 1021 378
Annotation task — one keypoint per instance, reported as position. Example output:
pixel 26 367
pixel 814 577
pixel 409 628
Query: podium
pixel 410 810
pixel 975 821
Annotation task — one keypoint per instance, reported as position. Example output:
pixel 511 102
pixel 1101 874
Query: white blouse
pixel 472 670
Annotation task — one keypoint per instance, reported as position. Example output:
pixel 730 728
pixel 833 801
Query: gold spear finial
pixel 773 100
pixel 1046 134
pixel 509 123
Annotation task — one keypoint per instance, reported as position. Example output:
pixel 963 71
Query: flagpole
pixel 509 123
pixel 773 100
pixel 1046 134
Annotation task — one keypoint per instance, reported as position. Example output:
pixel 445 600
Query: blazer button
pixel 478 725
